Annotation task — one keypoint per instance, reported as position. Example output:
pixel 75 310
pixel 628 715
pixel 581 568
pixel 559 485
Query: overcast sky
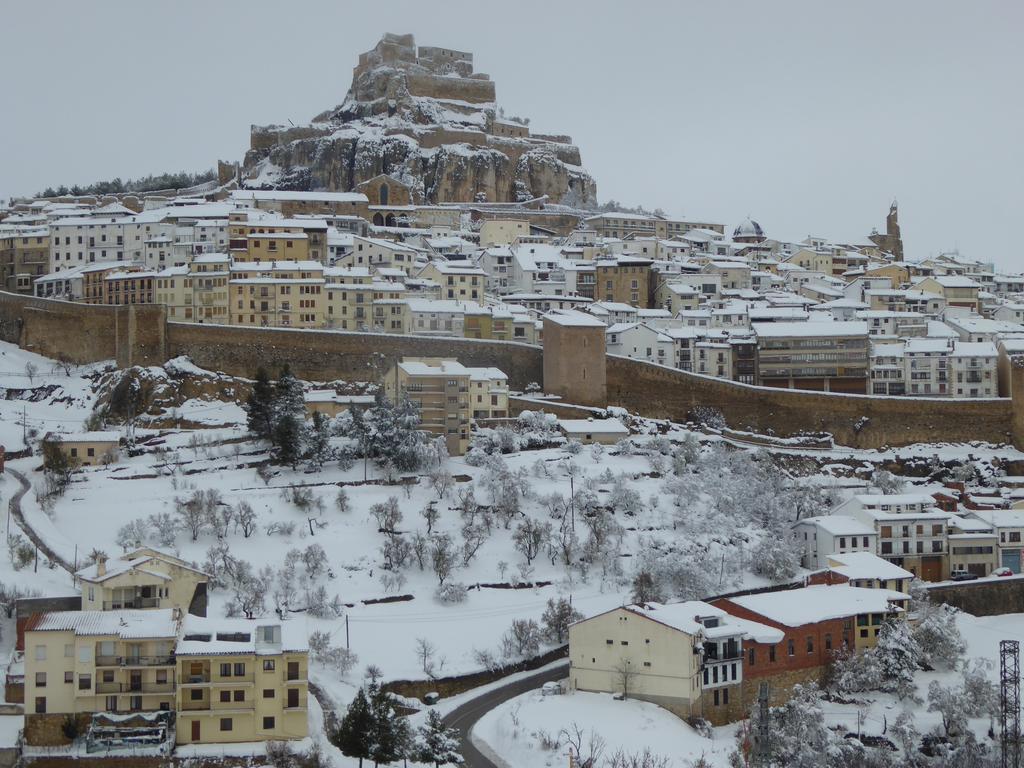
pixel 809 116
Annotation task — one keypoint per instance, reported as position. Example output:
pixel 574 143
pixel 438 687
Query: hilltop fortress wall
pixel 141 335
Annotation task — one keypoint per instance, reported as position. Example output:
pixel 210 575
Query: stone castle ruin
pixel 423 117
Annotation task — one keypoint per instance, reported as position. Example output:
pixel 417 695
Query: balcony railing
pixel 132 602
pixel 135 661
pixel 146 687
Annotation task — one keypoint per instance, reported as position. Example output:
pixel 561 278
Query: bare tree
pixel 31 370
pixel 530 537
pixel 624 675
pixel 425 651
pixel 441 481
pixel 245 518
pixel 442 557
pixel 431 515
pixel 587 748
pixel 64 363
pixel 387 514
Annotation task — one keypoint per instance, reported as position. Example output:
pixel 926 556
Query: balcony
pixel 135 661
pixel 146 687
pixel 131 602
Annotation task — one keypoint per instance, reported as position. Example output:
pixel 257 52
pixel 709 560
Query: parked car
pixel 551 689
pixel 1004 571
pixel 961 575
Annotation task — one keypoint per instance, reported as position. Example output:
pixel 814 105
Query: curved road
pixel 463 718
pixel 19 518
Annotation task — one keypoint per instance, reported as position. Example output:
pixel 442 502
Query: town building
pixel 144 578
pixel 86 449
pixel 830 357
pixel 440 390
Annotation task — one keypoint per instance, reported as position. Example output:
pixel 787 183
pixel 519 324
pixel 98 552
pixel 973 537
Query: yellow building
pixel 459 282
pixel 173 289
pixel 488 393
pixel 87 449
pixel 440 390
pixel 242 680
pixel 959 291
pixel 79 663
pixel 24 256
pixel 259 237
pixel 624 279
pixel 144 578
pixel 330 403
pixel 502 231
pixel 285 294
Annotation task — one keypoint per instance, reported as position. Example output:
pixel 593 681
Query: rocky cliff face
pixel 424 117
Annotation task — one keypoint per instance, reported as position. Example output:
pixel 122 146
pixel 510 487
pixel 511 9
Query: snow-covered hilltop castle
pixel 423 118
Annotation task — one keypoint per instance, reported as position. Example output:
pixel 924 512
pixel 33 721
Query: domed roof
pixel 748 228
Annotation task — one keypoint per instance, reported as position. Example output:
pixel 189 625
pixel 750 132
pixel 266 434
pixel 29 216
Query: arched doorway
pixel 378 220
pixel 383 194
pixel 390 220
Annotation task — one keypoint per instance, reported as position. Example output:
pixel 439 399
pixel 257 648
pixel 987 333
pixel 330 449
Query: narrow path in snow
pixel 15 509
pixel 476 754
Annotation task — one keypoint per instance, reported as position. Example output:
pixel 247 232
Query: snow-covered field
pixel 523 729
pixel 711 516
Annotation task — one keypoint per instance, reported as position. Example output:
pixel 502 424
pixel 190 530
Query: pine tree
pixel 288 396
pixel 408 453
pixel 261 406
pixel 287 439
pixel 438 744
pixel 318 442
pixel 353 735
pixel 390 738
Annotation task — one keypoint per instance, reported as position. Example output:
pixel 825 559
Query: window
pixel 268 665
pixel 69 677
pixel 40 653
pixel 791 648
pixel 828 641
pixel 40 679
pixel 225 670
pixel 750 657
pixel 226 724
pixel 771 653
pixel 225 696
pixel 40 705
pixel 268 693
pixel 717 698
pixel 85 682
pixel 195 694
pixel 810 644
pixel 268 723
pixel 293 698
pixel 239 670
pixel 239 696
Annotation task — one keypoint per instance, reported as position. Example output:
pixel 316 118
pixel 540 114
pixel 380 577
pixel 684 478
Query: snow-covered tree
pixel 438 744
pixel 530 538
pixel 897 655
pixel 886 482
pixel 936 632
pixel 644 588
pixel 260 406
pixel 775 557
pixel 557 617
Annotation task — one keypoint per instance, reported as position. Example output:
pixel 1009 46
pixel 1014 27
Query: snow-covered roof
pixel 867 565
pixel 439 368
pixel 593 426
pixel 823 329
pixel 838 525
pixel 687 617
pixel 572 318
pixel 330 396
pixel 820 602
pixel 85 437
pixel 132 560
pixel 330 197
pixel 974 349
pixel 203 636
pixel 129 625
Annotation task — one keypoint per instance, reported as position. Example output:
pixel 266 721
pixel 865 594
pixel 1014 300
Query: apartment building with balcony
pixel 78 663
pixel 142 579
pixel 440 389
pixel 824 356
pixel 686 657
pixel 911 531
pixel 819 538
pixel 278 294
pixel 957 290
pixel 241 680
pixel 488 393
pixel 463 282
pixel 24 256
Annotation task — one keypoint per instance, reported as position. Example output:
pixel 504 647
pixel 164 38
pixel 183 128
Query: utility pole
pixel 24 427
pixel 1009 703
pixel 347 645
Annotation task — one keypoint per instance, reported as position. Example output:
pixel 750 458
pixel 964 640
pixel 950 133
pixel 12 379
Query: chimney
pixel 101 565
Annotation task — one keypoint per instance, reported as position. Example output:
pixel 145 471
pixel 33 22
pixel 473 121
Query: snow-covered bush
pixel 323 651
pixel 450 593
pixel 775 557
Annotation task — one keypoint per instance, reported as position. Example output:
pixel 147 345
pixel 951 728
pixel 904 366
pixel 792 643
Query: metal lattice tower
pixel 763 731
pixel 1009 702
